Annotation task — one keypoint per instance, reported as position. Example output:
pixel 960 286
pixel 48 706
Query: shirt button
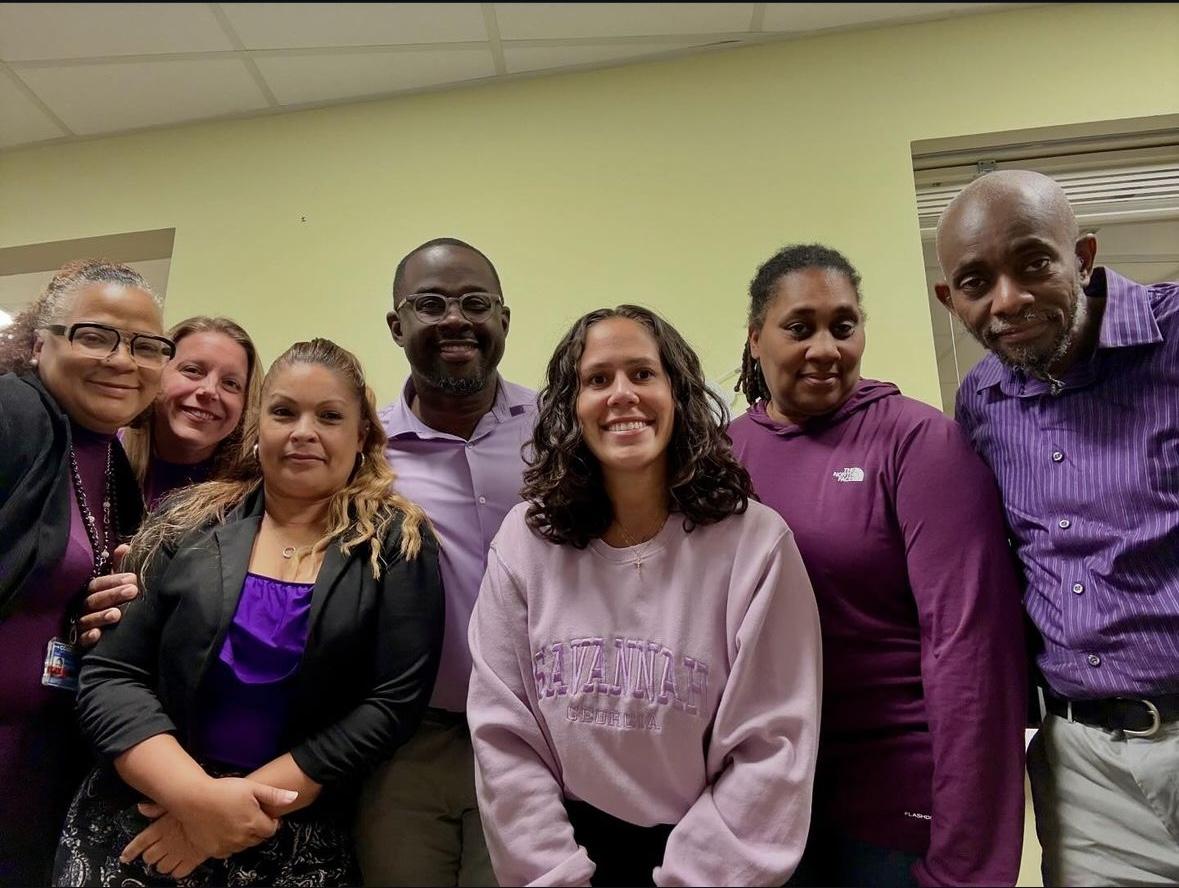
pixel 1064 524
pixel 1078 588
pixel 1094 660
pixel 1057 456
pixel 482 500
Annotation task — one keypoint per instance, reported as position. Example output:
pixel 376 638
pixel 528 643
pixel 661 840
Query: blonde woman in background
pixel 193 431
pixel 286 641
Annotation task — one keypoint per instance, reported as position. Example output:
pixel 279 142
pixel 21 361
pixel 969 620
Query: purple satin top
pixel 247 692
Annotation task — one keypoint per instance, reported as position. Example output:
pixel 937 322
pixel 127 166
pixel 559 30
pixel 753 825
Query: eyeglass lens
pixel 432 307
pixel 99 342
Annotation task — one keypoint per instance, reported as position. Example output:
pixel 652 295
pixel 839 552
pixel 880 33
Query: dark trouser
pixel 625 854
pixel 835 860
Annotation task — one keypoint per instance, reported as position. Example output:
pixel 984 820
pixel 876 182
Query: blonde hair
pixel 139 438
pixel 53 303
pixel 360 512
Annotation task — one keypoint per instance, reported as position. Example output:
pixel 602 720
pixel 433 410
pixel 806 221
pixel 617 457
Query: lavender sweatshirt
pixel 672 682
pixel 924 677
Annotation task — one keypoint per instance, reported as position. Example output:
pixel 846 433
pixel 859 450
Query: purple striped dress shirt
pixel 1090 482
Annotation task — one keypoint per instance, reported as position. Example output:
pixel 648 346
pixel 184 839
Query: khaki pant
pixel 418 820
pixel 1107 806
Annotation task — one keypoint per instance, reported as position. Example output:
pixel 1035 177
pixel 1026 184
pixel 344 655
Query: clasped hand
pixel 224 816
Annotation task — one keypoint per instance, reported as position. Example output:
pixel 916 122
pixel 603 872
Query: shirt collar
pixel 1128 320
pixel 401 417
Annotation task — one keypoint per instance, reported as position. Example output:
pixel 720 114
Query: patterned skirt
pixel 308 850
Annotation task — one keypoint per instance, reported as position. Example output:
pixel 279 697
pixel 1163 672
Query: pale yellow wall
pixel 663 183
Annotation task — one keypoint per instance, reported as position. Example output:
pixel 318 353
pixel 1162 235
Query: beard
pixel 1032 359
pixel 469 381
pixel 460 385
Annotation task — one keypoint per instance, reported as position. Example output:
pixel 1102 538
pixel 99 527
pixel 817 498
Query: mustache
pixel 998 328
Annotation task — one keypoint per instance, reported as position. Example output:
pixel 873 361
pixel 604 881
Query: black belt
pixel 1133 716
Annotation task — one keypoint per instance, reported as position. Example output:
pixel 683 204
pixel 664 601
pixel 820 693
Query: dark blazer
pixel 36 491
pixel 367 671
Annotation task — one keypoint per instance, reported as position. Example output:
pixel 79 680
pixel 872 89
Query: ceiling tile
pixel 92 30
pixel 111 97
pixel 21 120
pixel 323 77
pixel 816 16
pixel 551 21
pixel 538 58
pixel 294 25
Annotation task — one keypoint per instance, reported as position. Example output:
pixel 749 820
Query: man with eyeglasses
pixel 455 440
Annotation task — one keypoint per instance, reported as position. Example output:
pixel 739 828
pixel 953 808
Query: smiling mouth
pixel 114 386
pixel 304 457
pixel 200 415
pixel 1021 334
pixel 629 425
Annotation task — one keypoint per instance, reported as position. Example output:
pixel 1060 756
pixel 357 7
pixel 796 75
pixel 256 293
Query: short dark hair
pixel 567 501
pixel 795 257
pixel 399 274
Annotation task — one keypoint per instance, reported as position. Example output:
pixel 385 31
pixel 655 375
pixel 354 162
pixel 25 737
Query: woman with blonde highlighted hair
pixel 285 643
pixel 193 431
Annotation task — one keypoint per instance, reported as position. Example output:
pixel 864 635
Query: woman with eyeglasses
pixel 644 697
pixel 82 361
pixel 193 431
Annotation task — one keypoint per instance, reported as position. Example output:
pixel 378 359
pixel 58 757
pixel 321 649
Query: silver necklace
pixel 632 543
pixel 98 546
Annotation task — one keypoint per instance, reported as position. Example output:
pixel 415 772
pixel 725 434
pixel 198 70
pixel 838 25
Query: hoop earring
pixel 33 362
pixel 255 450
pixel 362 460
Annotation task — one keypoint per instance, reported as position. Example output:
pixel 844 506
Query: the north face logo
pixel 855 473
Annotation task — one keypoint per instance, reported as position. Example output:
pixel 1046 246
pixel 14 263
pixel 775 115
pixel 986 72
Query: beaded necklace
pixel 99 546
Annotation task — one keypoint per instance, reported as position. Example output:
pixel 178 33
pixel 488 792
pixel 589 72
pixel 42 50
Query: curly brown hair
pixel 567 501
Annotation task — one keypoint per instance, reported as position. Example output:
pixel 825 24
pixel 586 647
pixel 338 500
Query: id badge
pixel 62 661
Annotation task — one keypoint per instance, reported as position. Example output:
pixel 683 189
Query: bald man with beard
pixel 1076 410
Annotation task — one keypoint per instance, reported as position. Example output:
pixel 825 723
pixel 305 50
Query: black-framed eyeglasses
pixel 100 341
pixel 431 308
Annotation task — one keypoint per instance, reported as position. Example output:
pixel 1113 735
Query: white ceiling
pixel 78 70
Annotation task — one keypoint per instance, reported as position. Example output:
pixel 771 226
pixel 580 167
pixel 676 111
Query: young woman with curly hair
pixel 285 643
pixel 644 699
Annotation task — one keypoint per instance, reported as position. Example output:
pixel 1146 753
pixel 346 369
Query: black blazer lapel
pixel 333 567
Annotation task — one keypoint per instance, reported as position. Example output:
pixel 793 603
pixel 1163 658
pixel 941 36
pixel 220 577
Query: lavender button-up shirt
pixel 466 487
pixel 1090 481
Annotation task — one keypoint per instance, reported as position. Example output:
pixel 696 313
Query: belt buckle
pixel 1156 719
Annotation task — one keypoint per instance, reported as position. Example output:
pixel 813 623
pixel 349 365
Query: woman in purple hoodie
pixel 920 771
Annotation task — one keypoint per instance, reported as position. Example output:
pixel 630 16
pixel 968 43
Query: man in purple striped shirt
pixel 1076 410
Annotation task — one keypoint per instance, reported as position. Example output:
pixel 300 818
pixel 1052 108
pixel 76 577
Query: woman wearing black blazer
pixel 82 360
pixel 285 643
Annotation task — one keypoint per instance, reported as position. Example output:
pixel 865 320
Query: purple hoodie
pixel 899 525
